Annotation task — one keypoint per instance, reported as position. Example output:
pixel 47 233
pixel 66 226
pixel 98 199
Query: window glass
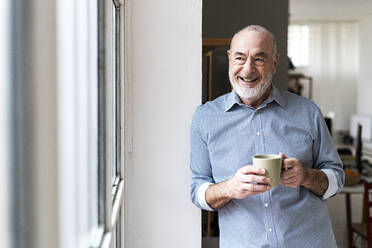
pixel 298 44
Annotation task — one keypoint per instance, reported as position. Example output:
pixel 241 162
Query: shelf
pixel 212 43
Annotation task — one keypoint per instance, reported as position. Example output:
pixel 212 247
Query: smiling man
pixel 253 59
pixel 257 118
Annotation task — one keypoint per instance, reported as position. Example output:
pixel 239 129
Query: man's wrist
pixel 307 177
pixel 217 195
pixel 315 181
pixel 226 190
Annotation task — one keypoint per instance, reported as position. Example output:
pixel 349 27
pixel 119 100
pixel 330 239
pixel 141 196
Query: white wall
pixel 166 88
pixel 364 88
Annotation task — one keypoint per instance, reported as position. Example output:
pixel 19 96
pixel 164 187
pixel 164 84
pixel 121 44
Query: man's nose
pixel 248 66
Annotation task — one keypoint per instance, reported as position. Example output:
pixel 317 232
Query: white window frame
pixel 5 123
pixel 79 26
pixel 112 77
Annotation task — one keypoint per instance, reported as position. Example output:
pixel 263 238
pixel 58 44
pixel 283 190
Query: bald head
pixel 255 28
pixel 252 63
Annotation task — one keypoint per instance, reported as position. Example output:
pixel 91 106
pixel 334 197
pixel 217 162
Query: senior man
pixel 257 118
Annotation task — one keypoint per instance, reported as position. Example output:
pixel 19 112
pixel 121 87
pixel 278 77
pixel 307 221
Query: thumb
pixel 283 155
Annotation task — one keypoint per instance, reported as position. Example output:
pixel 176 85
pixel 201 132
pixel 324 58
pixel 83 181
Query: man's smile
pixel 248 80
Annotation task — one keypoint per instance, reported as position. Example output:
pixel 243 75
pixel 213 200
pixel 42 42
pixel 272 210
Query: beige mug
pixel 272 165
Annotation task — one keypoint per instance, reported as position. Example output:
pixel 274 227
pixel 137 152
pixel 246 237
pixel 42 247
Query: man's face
pixel 251 64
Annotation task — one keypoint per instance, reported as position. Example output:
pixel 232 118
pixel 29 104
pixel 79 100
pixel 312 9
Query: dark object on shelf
pixel 347 140
pixel 300 84
pixel 344 151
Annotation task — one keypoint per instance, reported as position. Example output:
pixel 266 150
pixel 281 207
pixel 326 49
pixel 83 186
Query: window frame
pixel 111 188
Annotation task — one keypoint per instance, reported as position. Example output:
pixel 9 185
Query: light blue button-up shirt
pixel 226 134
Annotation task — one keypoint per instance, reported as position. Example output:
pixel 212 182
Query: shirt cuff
pixel 332 184
pixel 201 196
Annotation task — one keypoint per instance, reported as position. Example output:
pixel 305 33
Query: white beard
pixel 251 94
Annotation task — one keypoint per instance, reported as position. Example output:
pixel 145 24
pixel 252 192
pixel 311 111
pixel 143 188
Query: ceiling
pixel 329 10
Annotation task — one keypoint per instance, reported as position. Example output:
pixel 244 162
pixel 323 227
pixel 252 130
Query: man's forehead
pixel 253 40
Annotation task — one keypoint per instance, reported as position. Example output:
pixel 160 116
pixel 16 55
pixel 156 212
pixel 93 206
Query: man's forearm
pixel 316 181
pixel 216 195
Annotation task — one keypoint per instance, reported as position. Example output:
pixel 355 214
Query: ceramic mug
pixel 272 165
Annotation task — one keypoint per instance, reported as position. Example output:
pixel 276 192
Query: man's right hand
pixel 248 180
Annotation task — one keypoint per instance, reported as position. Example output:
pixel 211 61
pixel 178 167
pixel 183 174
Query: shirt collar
pixel 231 100
pixel 275 95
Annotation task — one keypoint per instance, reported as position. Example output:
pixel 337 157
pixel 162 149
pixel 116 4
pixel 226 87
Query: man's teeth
pixel 248 80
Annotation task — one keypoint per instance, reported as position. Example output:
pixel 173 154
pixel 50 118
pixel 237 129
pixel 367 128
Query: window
pixel 62 115
pixel 91 100
pixel 298 44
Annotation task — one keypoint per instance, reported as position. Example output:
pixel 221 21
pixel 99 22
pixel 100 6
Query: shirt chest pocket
pixel 300 147
pixel 228 152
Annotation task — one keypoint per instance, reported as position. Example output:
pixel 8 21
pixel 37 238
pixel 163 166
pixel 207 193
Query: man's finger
pixel 255 178
pixel 288 164
pixel 283 155
pixel 292 184
pixel 251 169
pixel 287 175
pixel 257 187
pixel 287 181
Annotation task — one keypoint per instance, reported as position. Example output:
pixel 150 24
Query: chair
pixel 363 229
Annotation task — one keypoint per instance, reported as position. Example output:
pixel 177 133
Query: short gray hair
pixel 258 28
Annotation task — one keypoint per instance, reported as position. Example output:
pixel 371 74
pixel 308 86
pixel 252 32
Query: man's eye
pixel 259 61
pixel 239 58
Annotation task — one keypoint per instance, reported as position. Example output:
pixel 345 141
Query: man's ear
pixel 276 61
pixel 228 53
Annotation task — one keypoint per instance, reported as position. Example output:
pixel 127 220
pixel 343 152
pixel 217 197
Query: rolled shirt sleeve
pixel 201 197
pixel 332 184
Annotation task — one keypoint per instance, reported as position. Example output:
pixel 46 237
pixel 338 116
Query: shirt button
pixel 270 230
pixel 258 133
pixel 266 205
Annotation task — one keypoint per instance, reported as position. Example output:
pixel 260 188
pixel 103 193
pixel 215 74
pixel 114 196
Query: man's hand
pixel 248 180
pixel 295 175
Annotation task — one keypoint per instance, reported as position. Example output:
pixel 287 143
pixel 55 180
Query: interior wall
pixel 221 19
pixel 166 88
pixel 364 86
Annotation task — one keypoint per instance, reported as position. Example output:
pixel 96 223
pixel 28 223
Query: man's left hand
pixel 293 173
